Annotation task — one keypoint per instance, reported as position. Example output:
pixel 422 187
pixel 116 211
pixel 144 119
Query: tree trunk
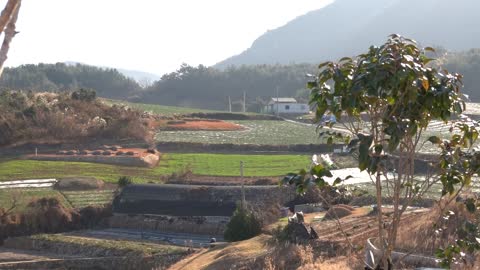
pixel 381 236
pixel 8 17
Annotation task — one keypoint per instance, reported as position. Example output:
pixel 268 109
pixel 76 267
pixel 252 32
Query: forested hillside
pixel 63 77
pixel 207 87
pixel 345 27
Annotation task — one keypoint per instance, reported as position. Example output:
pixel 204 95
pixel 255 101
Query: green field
pixel 200 164
pixel 25 195
pixel 256 132
pixel 158 109
pixel 79 199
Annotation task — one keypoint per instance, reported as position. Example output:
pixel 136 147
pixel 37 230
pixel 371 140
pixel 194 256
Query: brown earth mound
pixel 204 124
pixel 120 156
pixel 339 211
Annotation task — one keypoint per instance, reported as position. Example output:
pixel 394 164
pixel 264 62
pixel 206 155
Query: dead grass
pixel 229 256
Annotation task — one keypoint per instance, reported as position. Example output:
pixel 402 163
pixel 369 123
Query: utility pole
pixel 243 185
pixel 229 104
pixel 277 102
pixel 244 100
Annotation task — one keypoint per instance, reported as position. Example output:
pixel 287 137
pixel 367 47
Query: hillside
pixel 347 27
pixel 59 77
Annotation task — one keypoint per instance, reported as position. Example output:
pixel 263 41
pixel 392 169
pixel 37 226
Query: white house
pixel 286 106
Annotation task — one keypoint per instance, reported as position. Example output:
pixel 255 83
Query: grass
pixel 200 164
pixel 256 132
pixel 158 109
pixel 26 195
pixel 143 248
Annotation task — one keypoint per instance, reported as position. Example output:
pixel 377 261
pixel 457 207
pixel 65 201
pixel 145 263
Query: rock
pixel 106 153
pixel 130 153
pixel 120 153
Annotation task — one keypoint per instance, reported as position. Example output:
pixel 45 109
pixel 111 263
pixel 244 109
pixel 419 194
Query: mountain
pixel 349 27
pixel 143 78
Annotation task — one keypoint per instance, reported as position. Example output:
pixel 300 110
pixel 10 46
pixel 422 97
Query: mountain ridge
pixel 349 27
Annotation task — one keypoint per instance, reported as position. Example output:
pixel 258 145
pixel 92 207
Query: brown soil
pixel 107 154
pixel 197 125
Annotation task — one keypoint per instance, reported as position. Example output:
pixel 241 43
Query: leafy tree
pixel 243 225
pixel 61 77
pixel 386 98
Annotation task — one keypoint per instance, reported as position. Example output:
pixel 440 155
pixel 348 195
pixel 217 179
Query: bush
pixel 124 181
pixel 243 225
pixel 84 95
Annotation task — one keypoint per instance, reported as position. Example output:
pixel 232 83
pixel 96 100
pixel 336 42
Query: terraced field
pixel 256 132
pixel 80 199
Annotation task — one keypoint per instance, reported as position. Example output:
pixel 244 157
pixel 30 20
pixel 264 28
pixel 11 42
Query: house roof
pixel 283 100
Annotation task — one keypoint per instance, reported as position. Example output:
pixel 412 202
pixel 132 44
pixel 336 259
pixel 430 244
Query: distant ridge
pixel 349 27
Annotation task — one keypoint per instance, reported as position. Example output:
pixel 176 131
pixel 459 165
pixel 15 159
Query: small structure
pixel 286 105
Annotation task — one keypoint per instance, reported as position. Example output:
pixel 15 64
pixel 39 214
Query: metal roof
pixel 283 100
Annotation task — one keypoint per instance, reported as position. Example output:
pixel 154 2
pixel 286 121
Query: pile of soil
pixel 107 154
pixel 339 211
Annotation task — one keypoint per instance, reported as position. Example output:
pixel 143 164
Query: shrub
pixel 243 225
pixel 124 181
pixel 84 95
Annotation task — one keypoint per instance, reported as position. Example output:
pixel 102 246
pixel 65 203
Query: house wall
pixel 299 108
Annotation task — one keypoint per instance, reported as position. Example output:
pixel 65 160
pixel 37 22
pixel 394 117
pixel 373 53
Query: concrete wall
pixel 207 225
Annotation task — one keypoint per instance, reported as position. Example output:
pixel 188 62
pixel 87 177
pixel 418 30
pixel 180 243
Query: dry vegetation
pixel 48 215
pixel 50 117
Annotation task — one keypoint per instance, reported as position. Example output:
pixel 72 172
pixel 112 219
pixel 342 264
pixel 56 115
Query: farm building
pixel 286 106
pixel 188 208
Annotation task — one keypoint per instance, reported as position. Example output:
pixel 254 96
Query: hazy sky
pixel 148 35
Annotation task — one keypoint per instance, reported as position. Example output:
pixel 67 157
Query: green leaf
pixel 470 205
pixel 434 140
pixel 337 181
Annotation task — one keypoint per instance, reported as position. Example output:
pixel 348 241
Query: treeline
pixel 466 63
pixel 205 87
pixel 209 88
pixel 62 77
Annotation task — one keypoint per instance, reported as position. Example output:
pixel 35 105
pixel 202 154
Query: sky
pixel 146 35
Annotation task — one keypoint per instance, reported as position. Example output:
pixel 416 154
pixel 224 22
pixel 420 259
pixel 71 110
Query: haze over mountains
pixel 349 27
